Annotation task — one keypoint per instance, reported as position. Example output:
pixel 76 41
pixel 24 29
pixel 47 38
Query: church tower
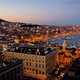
pixel 66 43
pixel 68 46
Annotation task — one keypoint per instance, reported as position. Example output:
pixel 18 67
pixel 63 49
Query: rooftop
pixel 8 65
pixel 32 49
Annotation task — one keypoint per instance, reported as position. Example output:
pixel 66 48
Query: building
pixel 38 61
pixel 66 43
pixel 11 70
pixel 68 53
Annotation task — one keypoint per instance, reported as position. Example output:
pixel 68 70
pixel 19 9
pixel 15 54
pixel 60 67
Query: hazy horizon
pixel 41 11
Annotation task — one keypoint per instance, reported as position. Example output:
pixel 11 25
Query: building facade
pixel 38 66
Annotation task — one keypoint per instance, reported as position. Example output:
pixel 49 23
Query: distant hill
pixel 1 20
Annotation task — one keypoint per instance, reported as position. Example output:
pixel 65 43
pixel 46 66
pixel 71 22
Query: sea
pixel 75 40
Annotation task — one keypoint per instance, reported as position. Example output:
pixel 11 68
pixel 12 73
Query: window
pixel 42 72
pixel 36 71
pixel 26 63
pixel 35 65
pixel 30 64
pixel 46 66
pixel 43 61
pixel 30 59
pixel 39 72
pixel 30 69
pixel 33 69
pixel 42 65
pixel 39 65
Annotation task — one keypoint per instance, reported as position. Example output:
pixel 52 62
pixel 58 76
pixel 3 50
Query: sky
pixel 41 11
